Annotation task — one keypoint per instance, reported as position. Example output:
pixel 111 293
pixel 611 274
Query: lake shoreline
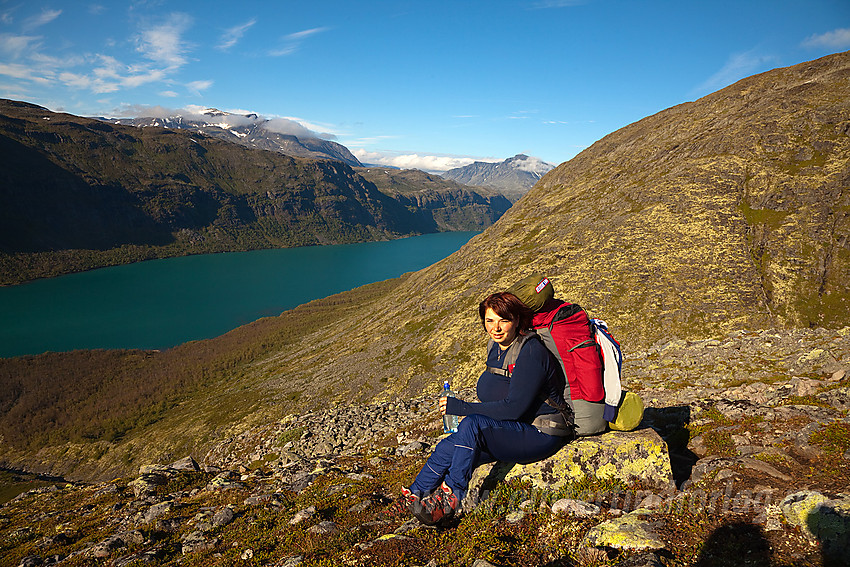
pixel 156 305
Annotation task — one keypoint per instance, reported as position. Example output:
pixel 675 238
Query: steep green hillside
pixel 725 213
pixel 77 193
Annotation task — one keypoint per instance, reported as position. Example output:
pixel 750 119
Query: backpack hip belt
pixel 552 424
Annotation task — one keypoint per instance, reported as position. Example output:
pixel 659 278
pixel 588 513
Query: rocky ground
pixel 743 458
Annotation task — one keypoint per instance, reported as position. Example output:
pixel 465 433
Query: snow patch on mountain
pixel 512 177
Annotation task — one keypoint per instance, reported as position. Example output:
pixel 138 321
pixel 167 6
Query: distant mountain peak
pixel 512 177
pixel 533 165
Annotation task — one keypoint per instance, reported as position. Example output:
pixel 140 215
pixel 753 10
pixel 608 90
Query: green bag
pixel 629 413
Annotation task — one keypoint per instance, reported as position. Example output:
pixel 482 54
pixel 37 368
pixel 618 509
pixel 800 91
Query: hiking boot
pixel 437 509
pixel 403 504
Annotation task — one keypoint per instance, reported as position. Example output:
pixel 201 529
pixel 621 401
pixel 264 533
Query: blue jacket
pixel 535 377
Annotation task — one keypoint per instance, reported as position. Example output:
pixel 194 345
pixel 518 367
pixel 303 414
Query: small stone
pixel 324 528
pixel 223 517
pixel 293 561
pixel 577 508
pixel 411 448
pixel 302 515
pixel 652 501
pixel 257 499
pixel 515 517
pixel 196 541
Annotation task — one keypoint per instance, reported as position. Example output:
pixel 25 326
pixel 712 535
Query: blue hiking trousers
pixel 479 440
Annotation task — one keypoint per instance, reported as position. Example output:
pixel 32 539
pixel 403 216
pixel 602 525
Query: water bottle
pixel 449 421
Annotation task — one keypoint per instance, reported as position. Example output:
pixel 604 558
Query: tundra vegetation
pixel 713 239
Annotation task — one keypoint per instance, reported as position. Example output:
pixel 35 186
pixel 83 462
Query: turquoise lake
pixel 162 303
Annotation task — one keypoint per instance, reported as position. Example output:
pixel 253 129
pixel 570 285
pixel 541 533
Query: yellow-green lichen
pixel 633 457
pixel 630 531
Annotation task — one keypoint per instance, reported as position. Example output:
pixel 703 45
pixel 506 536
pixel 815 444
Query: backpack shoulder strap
pixel 512 354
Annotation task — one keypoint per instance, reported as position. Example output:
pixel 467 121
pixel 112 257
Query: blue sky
pixel 428 84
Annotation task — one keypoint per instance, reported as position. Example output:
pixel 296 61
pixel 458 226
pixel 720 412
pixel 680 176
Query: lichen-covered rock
pixel 302 515
pixel 630 531
pixel 821 518
pixel 639 456
pixel 224 481
pixel 325 527
pixel 147 483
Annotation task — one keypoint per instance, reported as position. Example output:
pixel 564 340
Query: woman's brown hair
pixel 508 306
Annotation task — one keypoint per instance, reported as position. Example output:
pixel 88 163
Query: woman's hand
pixel 443 400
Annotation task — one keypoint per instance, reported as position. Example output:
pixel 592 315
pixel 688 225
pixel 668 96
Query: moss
pixel 719 443
pixel 772 458
pixel 804 401
pixel 770 218
pixel 833 438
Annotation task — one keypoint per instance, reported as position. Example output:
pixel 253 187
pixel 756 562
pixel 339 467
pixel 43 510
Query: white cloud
pixel 197 86
pixel 425 162
pixel 292 42
pixel 737 67
pixel 164 43
pixel 286 50
pixel 17 45
pixel 18 71
pixel 143 76
pixel 835 39
pixel 232 35
pixel 532 164
pixel 169 94
pixel 139 111
pixel 44 18
pixel 78 81
pixel 111 74
pixel 298 36
pixel 17 92
pixel 289 127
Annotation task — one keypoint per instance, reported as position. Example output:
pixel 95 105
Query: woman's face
pixel 501 330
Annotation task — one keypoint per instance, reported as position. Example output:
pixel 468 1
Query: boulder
pixel 639 456
pixel 823 519
pixel 157 510
pixel 631 531
pixel 186 464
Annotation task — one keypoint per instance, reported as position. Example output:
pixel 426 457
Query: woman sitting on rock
pixel 521 417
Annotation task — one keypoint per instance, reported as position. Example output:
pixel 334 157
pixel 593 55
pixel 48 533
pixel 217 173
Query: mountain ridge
pixel 513 177
pixel 80 193
pixel 249 130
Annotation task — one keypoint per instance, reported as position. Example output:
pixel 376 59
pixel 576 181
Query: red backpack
pixel 566 331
